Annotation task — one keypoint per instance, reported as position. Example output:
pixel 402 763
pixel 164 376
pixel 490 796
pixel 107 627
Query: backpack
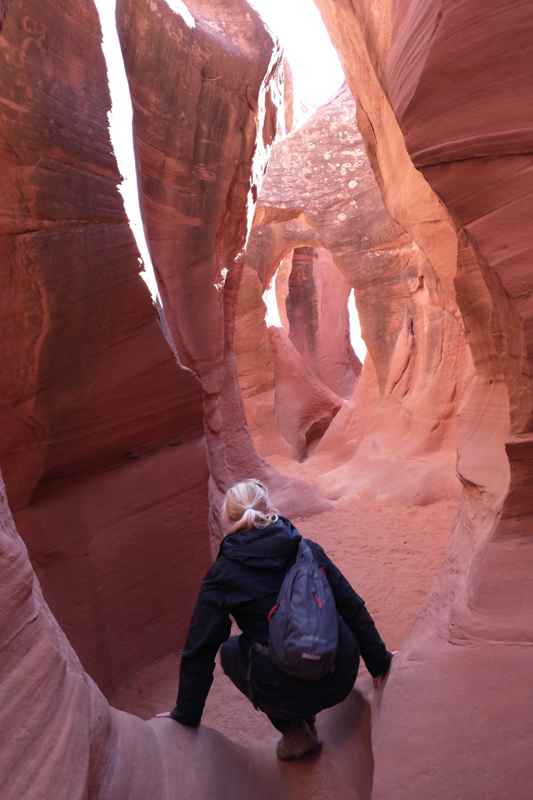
pixel 304 625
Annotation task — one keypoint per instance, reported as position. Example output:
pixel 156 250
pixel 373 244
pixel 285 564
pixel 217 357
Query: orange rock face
pixel 316 305
pixel 89 383
pixel 199 183
pixel 102 432
pixel 321 192
pixel 443 101
pixel 121 425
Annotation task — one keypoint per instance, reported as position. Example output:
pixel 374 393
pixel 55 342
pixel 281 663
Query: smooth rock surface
pixel 200 172
pixel 102 431
pixel 97 418
pixel 439 90
pixel 321 192
pixel 87 375
pixel 316 306
pixel 422 207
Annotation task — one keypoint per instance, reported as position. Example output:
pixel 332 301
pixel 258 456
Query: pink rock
pixel 101 430
pixel 444 106
pixel 304 406
pixel 199 172
pixel 317 315
pixel 321 190
pixel 87 374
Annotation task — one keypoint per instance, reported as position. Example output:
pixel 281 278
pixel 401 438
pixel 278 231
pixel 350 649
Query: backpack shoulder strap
pixel 305 551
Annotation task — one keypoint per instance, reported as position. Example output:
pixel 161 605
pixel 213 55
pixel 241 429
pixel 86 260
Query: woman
pixel 244 582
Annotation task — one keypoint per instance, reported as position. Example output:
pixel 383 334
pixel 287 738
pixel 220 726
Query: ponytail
pixel 247 505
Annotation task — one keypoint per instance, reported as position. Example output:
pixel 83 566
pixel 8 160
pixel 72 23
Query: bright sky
pixel 180 8
pixel 358 343
pixel 121 134
pixel 298 25
pixel 272 316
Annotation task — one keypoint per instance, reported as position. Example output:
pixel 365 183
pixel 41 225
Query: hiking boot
pixel 296 743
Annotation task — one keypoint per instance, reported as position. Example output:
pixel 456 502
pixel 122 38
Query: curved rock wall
pixel 89 383
pixel 73 305
pixel 320 190
pixel 102 431
pixel 200 171
pixel 443 91
pixel 480 165
pixel 316 306
pixel 103 445
pixel 66 742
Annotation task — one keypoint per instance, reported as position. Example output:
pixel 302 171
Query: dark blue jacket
pixel 244 582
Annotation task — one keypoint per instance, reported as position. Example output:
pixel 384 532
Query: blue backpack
pixel 304 625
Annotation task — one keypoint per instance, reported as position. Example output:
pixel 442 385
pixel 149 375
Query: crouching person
pixel 245 582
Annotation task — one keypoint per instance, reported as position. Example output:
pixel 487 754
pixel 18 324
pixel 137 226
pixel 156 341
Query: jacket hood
pixel 272 547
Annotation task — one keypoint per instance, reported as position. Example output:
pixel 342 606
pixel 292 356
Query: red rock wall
pixel 89 382
pixel 80 340
pixel 199 176
pixel 320 190
pixel 443 91
pixel 67 742
pixel 102 440
pixel 480 166
pixel 93 399
pixel 317 315
pixel 303 406
pixel 494 124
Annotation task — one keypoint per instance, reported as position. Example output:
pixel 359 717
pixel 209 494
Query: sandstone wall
pixel 321 191
pixel 89 383
pixel 66 742
pixel 480 165
pixel 200 172
pixel 443 112
pixel 102 431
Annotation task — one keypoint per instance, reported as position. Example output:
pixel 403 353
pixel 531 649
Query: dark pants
pixel 287 701
pixel 237 663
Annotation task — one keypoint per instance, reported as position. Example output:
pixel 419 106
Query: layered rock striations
pixel 480 164
pixel 200 168
pixel 66 741
pixel 321 193
pixel 443 103
pixel 81 345
pixel 102 443
pixel 89 383
pixel 105 399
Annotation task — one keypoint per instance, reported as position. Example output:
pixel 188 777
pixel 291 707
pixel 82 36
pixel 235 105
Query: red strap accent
pixel 272 612
pixel 318 600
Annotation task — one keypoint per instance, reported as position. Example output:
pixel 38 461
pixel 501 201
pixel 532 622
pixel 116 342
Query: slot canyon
pixel 148 366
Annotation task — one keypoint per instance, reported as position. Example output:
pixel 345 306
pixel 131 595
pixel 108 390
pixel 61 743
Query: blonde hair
pixel 247 505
